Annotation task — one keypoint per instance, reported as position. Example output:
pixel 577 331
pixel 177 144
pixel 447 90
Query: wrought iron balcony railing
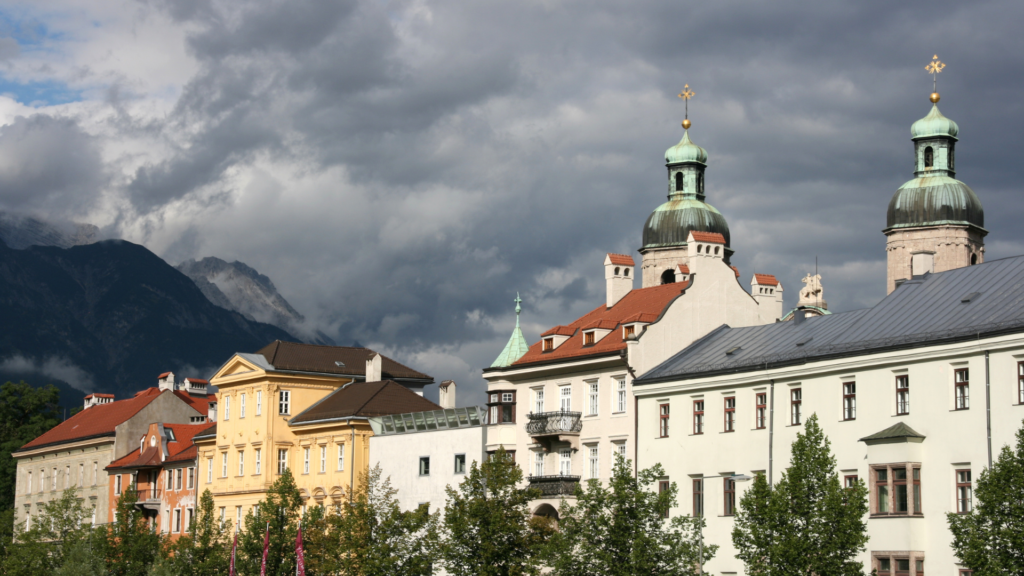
pixel 555 485
pixel 560 422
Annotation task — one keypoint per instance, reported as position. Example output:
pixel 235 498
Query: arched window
pixel 952 158
pixel 700 183
pixel 626 271
pixel 668 276
pixel 928 157
pixel 679 181
pixel 974 259
pixel 616 270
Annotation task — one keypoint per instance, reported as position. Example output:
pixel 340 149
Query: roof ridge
pixel 372 396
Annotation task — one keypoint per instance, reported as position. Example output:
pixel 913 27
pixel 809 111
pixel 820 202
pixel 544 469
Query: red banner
pixel 300 555
pixel 234 549
pixel 266 548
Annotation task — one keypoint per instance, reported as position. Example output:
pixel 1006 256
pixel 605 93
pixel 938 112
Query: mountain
pixel 110 316
pixel 239 287
pixel 20 231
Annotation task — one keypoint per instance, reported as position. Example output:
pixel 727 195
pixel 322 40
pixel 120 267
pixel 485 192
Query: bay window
pixel 502 406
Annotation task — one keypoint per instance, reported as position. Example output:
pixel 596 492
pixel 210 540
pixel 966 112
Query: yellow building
pixel 303 407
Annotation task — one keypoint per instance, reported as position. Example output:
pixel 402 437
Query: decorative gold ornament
pixel 934 68
pixel 685 95
pixel 686 124
pixel 934 97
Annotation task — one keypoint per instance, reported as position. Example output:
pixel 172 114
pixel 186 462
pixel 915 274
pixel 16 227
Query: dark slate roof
pixel 898 430
pixel 966 303
pixel 342 360
pixel 365 399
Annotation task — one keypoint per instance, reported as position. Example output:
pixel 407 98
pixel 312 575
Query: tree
pixel 25 413
pixel 486 529
pixel 129 545
pixel 990 540
pixel 205 550
pixel 280 511
pixel 622 530
pixel 58 540
pixel 809 524
pixel 377 538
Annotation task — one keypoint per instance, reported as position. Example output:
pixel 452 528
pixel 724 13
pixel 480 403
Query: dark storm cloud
pixel 455 152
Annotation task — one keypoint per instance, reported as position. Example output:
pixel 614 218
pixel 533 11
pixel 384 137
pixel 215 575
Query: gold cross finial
pixel 933 68
pixel 686 94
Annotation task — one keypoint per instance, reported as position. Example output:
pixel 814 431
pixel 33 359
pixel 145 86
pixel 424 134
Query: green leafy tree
pixel 990 540
pixel 376 538
pixel 53 534
pixel 809 524
pixel 82 558
pixel 318 540
pixel 25 413
pixel 486 529
pixel 622 530
pixel 280 510
pixel 205 550
pixel 130 544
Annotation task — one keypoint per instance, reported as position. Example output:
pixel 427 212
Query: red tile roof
pixel 163 375
pixel 603 324
pixel 94 422
pixel 684 268
pixel 713 237
pixel 736 270
pixel 559 331
pixel 649 301
pixel 199 380
pixel 179 449
pixel 621 260
pixel 198 403
pixel 766 279
pixel 644 317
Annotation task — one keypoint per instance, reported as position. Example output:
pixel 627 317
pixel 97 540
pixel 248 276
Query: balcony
pixel 547 428
pixel 147 499
pixel 553 486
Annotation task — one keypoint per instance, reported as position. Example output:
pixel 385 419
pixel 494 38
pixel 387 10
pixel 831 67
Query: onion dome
pixel 671 223
pixel 686 151
pixel 934 125
pixel 934 201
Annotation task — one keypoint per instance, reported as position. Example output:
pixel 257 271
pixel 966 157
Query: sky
pixel 401 169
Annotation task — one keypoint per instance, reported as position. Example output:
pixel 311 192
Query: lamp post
pixel 700 524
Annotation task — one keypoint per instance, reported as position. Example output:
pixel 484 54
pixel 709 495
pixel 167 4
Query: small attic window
pixel 588 338
pixel 967 299
pixel 629 331
pixel 339 363
pixel 679 181
pixel 549 344
pixel 170 434
pixel 733 350
pixel 805 341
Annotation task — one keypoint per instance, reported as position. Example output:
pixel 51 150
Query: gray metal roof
pixel 445 419
pixel 965 303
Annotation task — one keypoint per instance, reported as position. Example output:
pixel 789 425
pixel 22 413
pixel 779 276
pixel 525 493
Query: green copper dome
pixel 933 201
pixel 686 151
pixel 516 347
pixel 934 125
pixel 671 223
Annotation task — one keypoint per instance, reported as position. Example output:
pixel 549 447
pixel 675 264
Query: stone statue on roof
pixel 811 293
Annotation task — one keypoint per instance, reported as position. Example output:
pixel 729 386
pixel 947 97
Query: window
pixel 730 496
pixel 850 481
pixel 424 465
pixel 305 461
pixel 188 520
pixel 258 462
pixel 565 461
pixel 698 416
pixel 903 395
pixel 241 405
pixel 629 331
pixel 177 520
pixel 538 464
pixel 227 407
pixel 549 344
pixel 588 338
pixel 502 407
pixel 663 414
pixel 81 475
pixel 565 398
pixel 679 181
pixel 897 489
pixel 593 398
pixel 209 470
pixel 53 480
pixel 795 401
pixel 117 484
pixel 663 486
pixel 963 389
pixel 760 410
pixel 284 402
pixel 538 401
pixel 241 462
pixel 730 414
pixel 849 401
pixel 224 465
pixel 221 516
pixel 341 457
pixel 460 463
pixel 323 459
pixel 592 461
pixel 964 492
pixel 698 497
pixel 620 395
pixel 95 473
pixel 259 402
pixel 29 491
pixel 238 515
pixel 1020 382
pixel 191 478
pixel 621 447
pixel 282 461
pixel 177 479
pixel 928 157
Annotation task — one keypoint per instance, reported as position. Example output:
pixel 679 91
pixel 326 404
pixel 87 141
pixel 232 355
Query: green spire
pixel 516 346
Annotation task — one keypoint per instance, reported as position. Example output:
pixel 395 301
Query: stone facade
pixel 657 262
pixel 940 248
pixel 44 473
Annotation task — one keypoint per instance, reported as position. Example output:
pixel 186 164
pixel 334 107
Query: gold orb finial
pixel 686 124
pixel 685 94
pixel 934 97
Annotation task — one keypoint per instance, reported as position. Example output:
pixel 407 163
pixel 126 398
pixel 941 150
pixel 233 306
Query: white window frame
pixel 209 470
pixel 593 462
pixel 227 407
pixel 621 448
pixel 565 397
pixel 565 462
pixel 284 402
pixel 593 397
pixel 258 460
pixel 341 457
pixel 282 460
pixel 538 463
pixel 538 400
pixel 323 459
pixel 224 465
pixel 305 460
pixel 620 395
pixel 241 462
pixel 241 405
pixel 259 402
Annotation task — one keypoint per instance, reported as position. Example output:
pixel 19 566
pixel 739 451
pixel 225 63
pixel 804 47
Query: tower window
pixel 616 270
pixel 974 259
pixel 679 181
pixel 668 276
pixel 928 157
pixel 952 158
pixel 700 183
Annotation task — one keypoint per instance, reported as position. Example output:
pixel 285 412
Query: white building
pixel 901 390
pixel 564 406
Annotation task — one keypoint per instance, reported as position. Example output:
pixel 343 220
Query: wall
pixel 166 408
pixel 92 455
pixel 953 247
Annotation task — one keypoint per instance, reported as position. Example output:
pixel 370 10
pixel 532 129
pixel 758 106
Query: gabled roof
pixel 766 279
pixel 342 360
pixel 200 404
pixel 178 450
pixel 621 260
pixel 924 311
pixel 647 303
pixel 713 237
pixel 898 430
pixel 365 399
pixel 94 422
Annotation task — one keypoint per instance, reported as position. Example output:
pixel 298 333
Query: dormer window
pixel 549 344
pixel 588 338
pixel 629 331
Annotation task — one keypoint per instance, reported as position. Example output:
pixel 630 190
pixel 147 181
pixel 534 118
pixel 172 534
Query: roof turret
pixel 686 151
pixel 516 346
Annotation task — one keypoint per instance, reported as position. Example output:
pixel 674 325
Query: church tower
pixel 935 222
pixel 668 227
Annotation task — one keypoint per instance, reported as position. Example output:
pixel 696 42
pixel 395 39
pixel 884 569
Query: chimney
pixel 97 399
pixel 165 381
pixel 767 292
pixel 373 368
pixel 618 276
pixel 702 247
pixel 446 394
